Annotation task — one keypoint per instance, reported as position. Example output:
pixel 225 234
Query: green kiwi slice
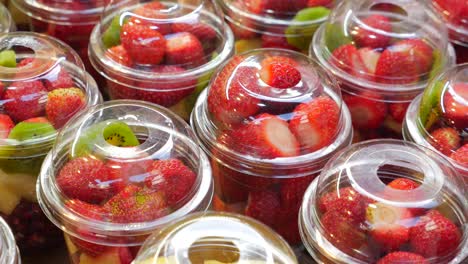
pixel 335 37
pixel 111 36
pixel 8 58
pixel 31 130
pixel 437 61
pixel 119 134
pixel 301 36
pixel 429 110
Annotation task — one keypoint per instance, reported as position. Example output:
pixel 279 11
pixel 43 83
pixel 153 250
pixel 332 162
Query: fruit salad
pixel 162 52
pixel 455 14
pixel 383 55
pixel 42 84
pixel 439 117
pixel 118 172
pixel 286 24
pixel 386 201
pixel 8 251
pixel 216 238
pixel 269 120
pixel 6 22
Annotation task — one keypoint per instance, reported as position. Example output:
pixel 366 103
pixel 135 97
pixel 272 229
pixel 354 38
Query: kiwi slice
pixel 8 58
pixel 119 134
pixel 437 61
pixel 111 36
pixel 429 111
pixel 301 36
pixel 27 130
pixel 244 45
pixel 335 37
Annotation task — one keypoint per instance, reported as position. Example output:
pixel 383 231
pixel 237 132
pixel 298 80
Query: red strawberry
pixel 173 178
pixel 256 6
pixel 455 104
pixel 290 231
pixel 62 104
pixel 129 170
pixel 292 190
pixel 24 62
pixel 184 49
pixel 87 179
pixel 143 44
pixel 58 78
pixel 149 14
pixel 398 111
pixel 22 100
pixel 445 140
pixel 315 3
pixel 434 235
pixel 344 56
pixel 403 184
pixel 135 204
pixel 2 90
pixel 120 91
pixel 276 41
pixel 119 55
pixel 6 124
pixel 401 257
pixel 315 123
pixel 202 31
pixel 282 7
pixel 228 99
pixel 368 35
pixel 244 31
pixel 279 74
pixel 346 201
pixel 461 155
pixel 263 206
pixel 366 113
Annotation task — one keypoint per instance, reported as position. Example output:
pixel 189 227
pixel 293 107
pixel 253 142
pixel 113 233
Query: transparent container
pixel 438 118
pixel 455 14
pixel 6 22
pixel 383 53
pixel 43 83
pixel 216 238
pixel 386 201
pixel 160 52
pixel 8 250
pixel 266 143
pixel 287 24
pixel 140 169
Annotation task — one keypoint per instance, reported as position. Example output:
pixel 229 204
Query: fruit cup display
pixel 386 201
pixel 162 52
pixel 8 250
pixel 42 84
pixel 455 14
pixel 383 54
pixel 439 117
pixel 269 120
pixel 118 172
pixel 215 238
pixel 6 22
pixel 286 24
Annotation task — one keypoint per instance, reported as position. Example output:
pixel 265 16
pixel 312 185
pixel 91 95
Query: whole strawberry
pixel 184 49
pixel 368 36
pixel 347 201
pixel 263 206
pixel 23 100
pixel 461 155
pixel 63 103
pixel 119 55
pixel 279 74
pixel 6 124
pixel 143 44
pixel 445 140
pixel 401 257
pixel 58 78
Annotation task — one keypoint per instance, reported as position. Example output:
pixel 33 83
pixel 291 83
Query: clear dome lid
pixel 272 106
pixel 216 238
pixel 381 198
pixel 123 166
pixel 6 22
pixel 388 45
pixel 43 84
pixel 455 14
pixel 8 250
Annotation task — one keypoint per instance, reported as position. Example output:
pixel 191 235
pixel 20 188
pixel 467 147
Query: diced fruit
pixel 22 100
pixel 455 105
pixel 9 200
pixel 445 140
pixel 143 44
pixel 22 184
pixel 315 123
pixel 8 58
pixel 31 129
pixel 366 113
pixel 62 79
pixel 63 103
pixel 119 55
pixel 461 155
pixel 278 74
pixel 263 206
pixel 368 36
pixel 6 124
pixel 402 257
pixel 300 36
pixel 121 255
pixel 184 49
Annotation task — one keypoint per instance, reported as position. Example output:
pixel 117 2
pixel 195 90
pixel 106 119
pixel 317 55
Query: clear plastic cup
pixel 205 238
pixel 438 118
pixel 386 201
pixel 140 169
pixel 8 250
pixel 43 84
pixel 162 52
pixel 287 24
pixel 455 14
pixel 6 22
pixel 266 143
pixel 383 53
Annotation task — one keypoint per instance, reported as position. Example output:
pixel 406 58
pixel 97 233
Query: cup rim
pixel 9 253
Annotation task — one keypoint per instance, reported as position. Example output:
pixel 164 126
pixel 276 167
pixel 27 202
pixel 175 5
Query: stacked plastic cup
pixel 216 238
pixel 6 22
pixel 118 172
pixel 383 53
pixel 8 251
pixel 269 121
pixel 162 52
pixel 287 24
pixel 386 201
pixel 439 117
pixel 43 84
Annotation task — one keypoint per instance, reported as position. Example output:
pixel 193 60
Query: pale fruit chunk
pixel 9 200
pixel 160 260
pixel 72 249
pixel 22 184
pixel 111 257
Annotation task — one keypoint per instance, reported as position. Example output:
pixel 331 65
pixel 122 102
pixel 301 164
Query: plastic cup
pixel 216 238
pixel 6 22
pixel 438 118
pixel 383 54
pixel 160 52
pixel 8 251
pixel 141 170
pixel 266 143
pixel 386 201
pixel 43 84
pixel 288 24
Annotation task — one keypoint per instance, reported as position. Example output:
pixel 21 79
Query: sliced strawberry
pixel 143 44
pixel 461 155
pixel 343 57
pixel 346 201
pixel 365 113
pixel 368 35
pixel 398 111
pixel 455 105
pixel 23 100
pixel 63 103
pixel 24 62
pixel 369 57
pixel 445 140
pixel 202 31
pixel 263 206
pixel 184 49
pixel 403 184
pixel 55 80
pixel 119 55
pixel 279 74
pixel 6 124
pixel 402 257
pixel 315 3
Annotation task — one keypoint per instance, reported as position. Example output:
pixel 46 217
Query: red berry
pixel 455 105
pixel 62 104
pixel 184 49
pixel 292 191
pixel 119 55
pixel 367 36
pixel 279 74
pixel 149 14
pixel 23 100
pixel 173 178
pixel 398 111
pixel 143 44
pixel 400 257
pixel 276 41
pixel 461 155
pixel 369 58
pixel 263 206
pixel 366 113
pixel 128 170
pixel 245 31
pixel 346 201
pixel 282 7
pixel 403 184
pixel 256 6
pixel 316 3
pixel 344 56
pixel 445 140
pixel 6 124
pixel 58 78
pixel 202 31
pixel 25 62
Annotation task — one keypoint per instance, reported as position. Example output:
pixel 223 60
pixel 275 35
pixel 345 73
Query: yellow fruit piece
pixel 244 45
pixel 110 257
pixel 9 199
pixel 22 184
pixel 72 249
pixel 160 260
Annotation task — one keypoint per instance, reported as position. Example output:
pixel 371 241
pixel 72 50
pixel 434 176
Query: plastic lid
pixel 8 250
pixel 272 106
pixel 160 45
pixel 381 197
pixel 455 14
pixel 6 22
pixel 216 238
pixel 391 46
pixel 139 168
pixel 43 84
